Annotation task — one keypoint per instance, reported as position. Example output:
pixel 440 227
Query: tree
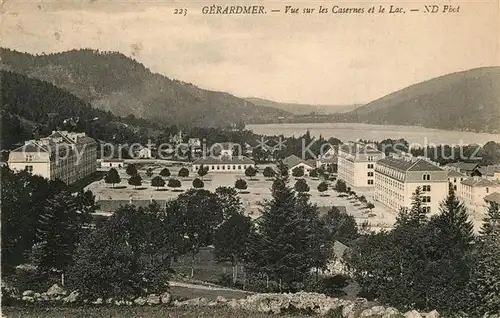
pixel 313 173
pixel 340 186
pixel 301 186
pixel 229 202
pixel 284 247
pixel 198 184
pixel 149 172
pixel 201 215
pixel 165 172
pixel 362 199
pixel 184 172
pixel 157 182
pixel 112 177
pixel 451 238
pixel 483 289
pixel 231 239
pixel 341 226
pixel 322 187
pixel 202 171
pixel 174 183
pixel 282 169
pixel 135 180
pixel 370 206
pixel 250 172
pixel 298 172
pixel 61 226
pixel 416 215
pixel 122 258
pixel 491 222
pixel 240 184
pixel 131 169
pixel 269 172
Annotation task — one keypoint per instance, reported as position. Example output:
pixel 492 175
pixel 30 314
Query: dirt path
pixel 204 287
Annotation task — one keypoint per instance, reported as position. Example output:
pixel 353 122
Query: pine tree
pixel 492 219
pixel 414 216
pixel 450 240
pixel 483 290
pixel 278 250
pixel 60 230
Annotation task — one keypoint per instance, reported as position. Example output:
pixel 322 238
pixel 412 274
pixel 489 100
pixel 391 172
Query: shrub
pixel 184 172
pixel 198 184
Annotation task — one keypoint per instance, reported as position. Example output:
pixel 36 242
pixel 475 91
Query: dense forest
pixel 113 82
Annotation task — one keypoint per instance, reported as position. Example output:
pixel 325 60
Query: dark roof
pixel 455 174
pixel 224 160
pixel 293 160
pixel 489 170
pixel 30 147
pixel 493 197
pixel 479 182
pixel 466 166
pixel 411 164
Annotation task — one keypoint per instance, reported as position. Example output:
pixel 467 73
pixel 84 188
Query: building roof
pixel 339 249
pixel 224 160
pixel 31 147
pixel 493 197
pixel 455 174
pixel 354 148
pixel 408 164
pixel 489 170
pixel 479 182
pixel 465 166
pixel 292 160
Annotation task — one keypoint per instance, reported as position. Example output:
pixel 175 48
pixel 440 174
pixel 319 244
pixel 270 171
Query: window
pixel 234 167
pixel 239 167
pixel 370 158
pixel 370 174
pixel 487 190
pixel 370 166
pixel 213 168
pixel 370 181
pixel 427 209
pixel 426 188
pixel 29 157
pixel 454 180
pixel 426 177
pixel 29 169
pixel 426 199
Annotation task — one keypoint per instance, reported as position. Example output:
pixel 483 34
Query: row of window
pixel 223 167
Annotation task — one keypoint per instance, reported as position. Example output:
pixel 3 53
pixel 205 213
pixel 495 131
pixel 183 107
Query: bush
pixel 198 184
pixel 184 172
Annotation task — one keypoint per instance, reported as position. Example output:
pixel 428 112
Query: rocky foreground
pixel 301 302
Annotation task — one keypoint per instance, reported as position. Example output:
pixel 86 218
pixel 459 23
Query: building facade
pixel 224 164
pixel 473 190
pixel 356 164
pixel 63 155
pixel 397 178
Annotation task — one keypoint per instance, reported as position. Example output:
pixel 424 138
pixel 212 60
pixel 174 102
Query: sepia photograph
pixel 260 158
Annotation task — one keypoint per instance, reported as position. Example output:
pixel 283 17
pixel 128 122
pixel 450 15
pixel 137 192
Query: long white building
pixel 356 163
pixel 63 155
pixel 397 178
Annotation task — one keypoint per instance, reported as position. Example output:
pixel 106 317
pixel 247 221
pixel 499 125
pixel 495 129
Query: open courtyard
pixel 110 197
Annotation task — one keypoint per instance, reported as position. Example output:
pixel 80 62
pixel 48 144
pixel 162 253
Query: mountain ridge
pixel 112 81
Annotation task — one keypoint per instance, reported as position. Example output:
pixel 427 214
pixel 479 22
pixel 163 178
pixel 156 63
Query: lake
pixel 352 132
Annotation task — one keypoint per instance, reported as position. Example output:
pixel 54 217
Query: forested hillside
pixel 468 100
pixel 113 82
pixel 31 108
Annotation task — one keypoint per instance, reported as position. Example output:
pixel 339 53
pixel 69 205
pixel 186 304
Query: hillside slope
pixel 302 109
pixel 111 81
pixel 31 108
pixel 468 100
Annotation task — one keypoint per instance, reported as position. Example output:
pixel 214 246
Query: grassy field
pixel 258 190
pixel 118 312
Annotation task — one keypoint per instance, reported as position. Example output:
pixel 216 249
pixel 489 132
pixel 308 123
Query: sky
pixel 313 59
